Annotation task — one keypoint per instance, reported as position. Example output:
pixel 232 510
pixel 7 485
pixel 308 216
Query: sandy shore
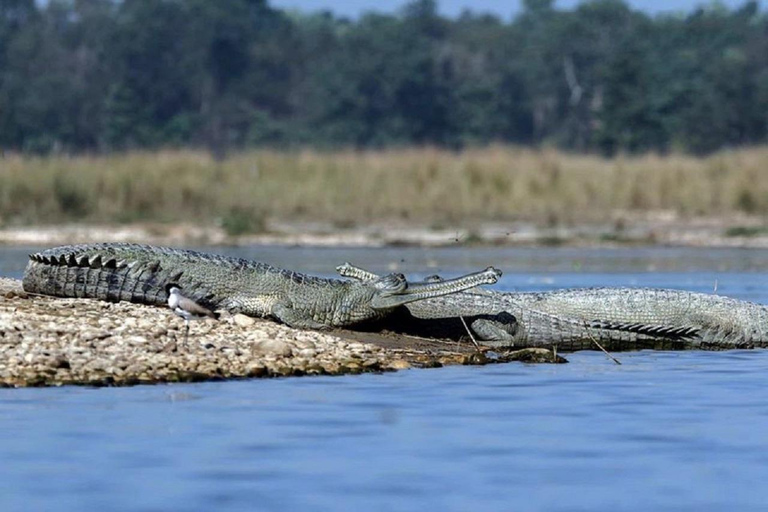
pixel 652 228
pixel 48 341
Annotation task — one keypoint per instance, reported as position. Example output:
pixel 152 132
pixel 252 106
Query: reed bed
pixel 425 186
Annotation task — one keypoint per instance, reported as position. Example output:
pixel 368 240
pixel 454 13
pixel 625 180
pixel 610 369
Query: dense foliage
pixel 100 75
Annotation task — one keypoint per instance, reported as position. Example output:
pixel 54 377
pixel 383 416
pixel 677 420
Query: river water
pixel 665 431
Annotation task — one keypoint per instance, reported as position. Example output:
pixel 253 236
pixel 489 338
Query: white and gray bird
pixel 185 307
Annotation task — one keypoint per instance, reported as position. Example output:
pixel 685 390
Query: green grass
pixel 746 231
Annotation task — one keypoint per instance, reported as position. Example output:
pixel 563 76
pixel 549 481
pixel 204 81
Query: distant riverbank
pixel 652 229
pixel 491 195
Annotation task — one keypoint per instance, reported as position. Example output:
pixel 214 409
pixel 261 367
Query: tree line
pixel 106 75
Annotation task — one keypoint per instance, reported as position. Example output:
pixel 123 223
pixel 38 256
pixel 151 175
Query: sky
pixel 502 8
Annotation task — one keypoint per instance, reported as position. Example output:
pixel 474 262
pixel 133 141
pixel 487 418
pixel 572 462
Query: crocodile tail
pixel 98 276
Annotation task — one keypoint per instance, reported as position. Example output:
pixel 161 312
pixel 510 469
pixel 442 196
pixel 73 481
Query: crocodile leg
pixel 294 318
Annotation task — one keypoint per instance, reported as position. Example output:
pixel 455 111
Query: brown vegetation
pixel 425 186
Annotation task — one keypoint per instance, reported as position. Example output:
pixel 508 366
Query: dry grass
pixel 427 186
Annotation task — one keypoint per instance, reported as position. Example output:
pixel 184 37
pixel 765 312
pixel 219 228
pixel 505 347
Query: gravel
pixel 47 341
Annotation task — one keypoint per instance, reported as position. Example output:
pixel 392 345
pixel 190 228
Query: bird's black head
pixel 171 285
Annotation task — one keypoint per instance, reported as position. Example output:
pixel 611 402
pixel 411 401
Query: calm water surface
pixel 664 431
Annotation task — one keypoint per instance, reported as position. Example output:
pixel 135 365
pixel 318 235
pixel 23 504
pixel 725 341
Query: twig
pixel 477 345
pixel 601 347
pixel 37 294
pixel 423 338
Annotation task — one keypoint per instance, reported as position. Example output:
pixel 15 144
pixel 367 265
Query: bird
pixel 185 307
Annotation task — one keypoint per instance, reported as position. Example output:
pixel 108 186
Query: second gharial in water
pixel 587 318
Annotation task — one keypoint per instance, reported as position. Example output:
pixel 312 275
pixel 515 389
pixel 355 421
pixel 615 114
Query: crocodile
pixel 141 273
pixel 587 318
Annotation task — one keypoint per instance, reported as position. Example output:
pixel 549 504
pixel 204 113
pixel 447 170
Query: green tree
pixel 110 74
pixel 151 86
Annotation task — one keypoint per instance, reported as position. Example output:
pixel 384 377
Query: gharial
pixel 618 318
pixel 141 273
pixel 574 319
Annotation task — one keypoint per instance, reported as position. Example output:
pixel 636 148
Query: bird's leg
pixel 186 331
